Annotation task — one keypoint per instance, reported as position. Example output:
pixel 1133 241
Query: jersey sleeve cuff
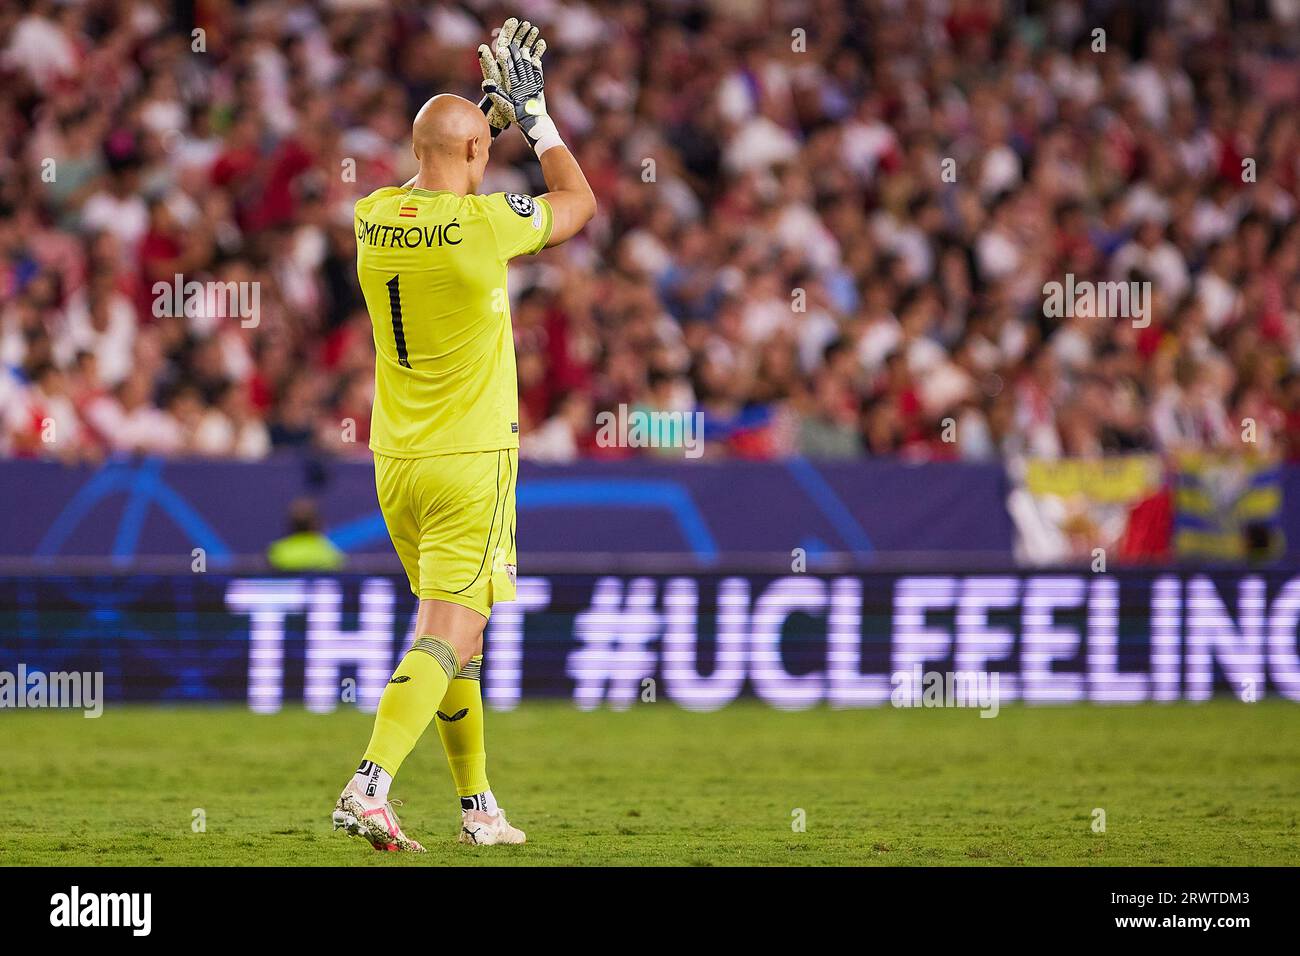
pixel 550 225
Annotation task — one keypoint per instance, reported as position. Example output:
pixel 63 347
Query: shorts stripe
pixel 509 483
pixel 496 506
pixel 514 515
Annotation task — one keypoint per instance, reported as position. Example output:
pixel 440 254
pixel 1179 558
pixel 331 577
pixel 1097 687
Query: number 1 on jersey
pixel 395 306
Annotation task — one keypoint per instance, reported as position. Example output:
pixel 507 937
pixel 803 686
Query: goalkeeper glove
pixel 533 46
pixel 519 96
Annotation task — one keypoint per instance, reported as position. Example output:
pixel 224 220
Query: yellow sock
pixel 460 725
pixel 410 700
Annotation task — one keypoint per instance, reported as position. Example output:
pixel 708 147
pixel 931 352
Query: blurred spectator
pixel 835 249
pixel 563 436
pixel 304 548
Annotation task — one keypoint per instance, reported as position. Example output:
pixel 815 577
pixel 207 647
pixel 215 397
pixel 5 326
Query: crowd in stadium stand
pixel 827 225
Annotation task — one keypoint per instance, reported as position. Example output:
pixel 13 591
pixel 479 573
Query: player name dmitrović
pixel 382 235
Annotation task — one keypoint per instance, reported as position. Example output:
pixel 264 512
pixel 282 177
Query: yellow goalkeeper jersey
pixel 432 267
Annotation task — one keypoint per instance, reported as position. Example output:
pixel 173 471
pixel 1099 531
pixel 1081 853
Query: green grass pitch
pixel 1215 783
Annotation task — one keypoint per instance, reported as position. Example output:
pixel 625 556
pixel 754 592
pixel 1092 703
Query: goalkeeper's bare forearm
pixel 512 80
pixel 572 201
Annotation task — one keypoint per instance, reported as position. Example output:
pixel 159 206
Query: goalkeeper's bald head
pixel 451 138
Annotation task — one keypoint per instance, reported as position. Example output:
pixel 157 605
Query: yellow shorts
pixel 452 521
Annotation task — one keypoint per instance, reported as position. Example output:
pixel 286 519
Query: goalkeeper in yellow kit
pixel 431 258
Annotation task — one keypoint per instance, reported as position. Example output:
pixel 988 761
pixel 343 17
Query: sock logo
pixel 371 771
pixel 456 716
pixel 400 679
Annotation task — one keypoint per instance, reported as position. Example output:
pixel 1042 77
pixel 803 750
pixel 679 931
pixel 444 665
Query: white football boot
pixel 359 815
pixel 480 828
